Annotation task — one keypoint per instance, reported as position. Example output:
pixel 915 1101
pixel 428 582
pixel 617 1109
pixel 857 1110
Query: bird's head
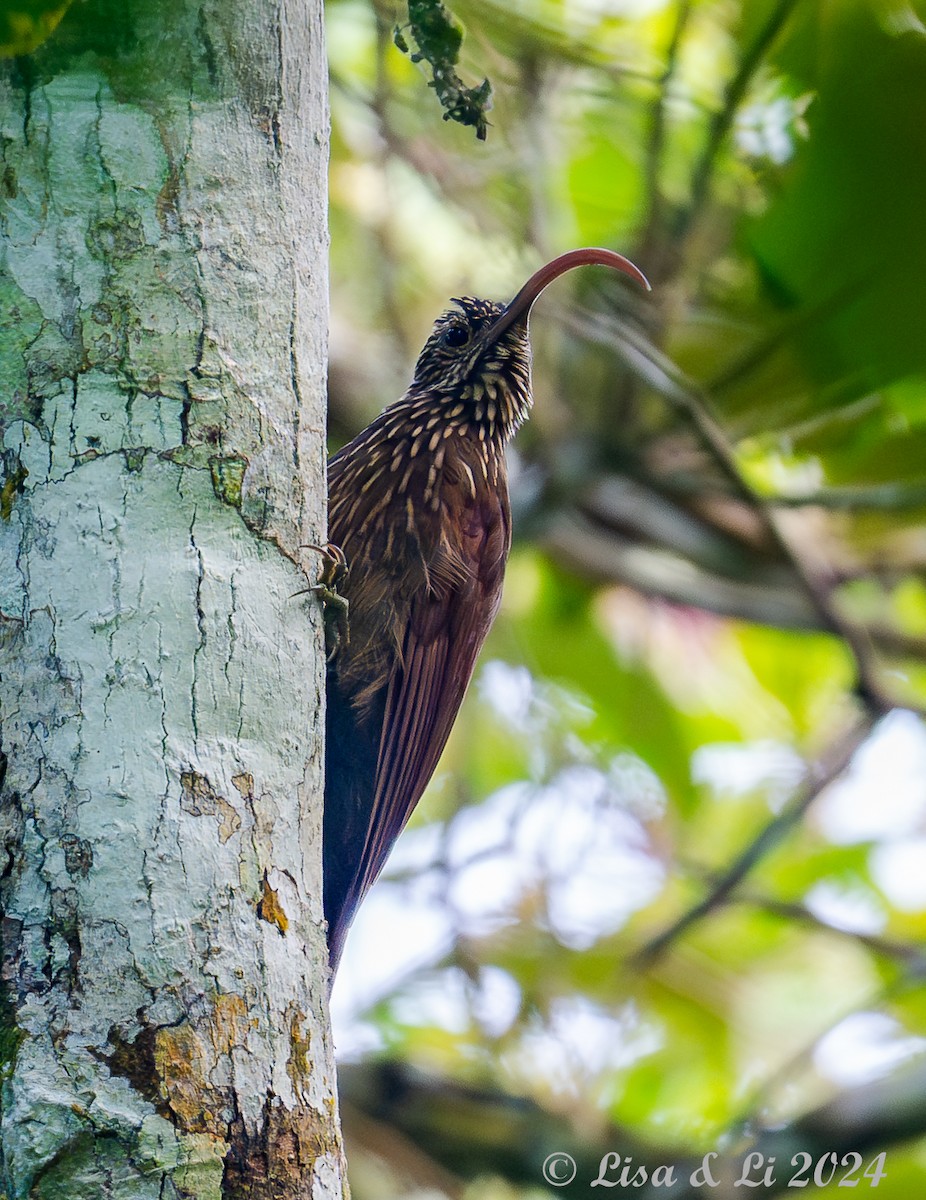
pixel 479 353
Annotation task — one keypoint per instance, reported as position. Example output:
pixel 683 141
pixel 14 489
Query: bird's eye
pixel 456 335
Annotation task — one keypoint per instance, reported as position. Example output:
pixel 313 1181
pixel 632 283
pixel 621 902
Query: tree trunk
pixel 162 365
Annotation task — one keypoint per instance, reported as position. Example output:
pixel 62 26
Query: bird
pixel 419 528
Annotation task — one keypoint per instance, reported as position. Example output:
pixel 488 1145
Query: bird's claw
pixel 334 572
pixel 335 560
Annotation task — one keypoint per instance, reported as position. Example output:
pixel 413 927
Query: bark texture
pixel 162 365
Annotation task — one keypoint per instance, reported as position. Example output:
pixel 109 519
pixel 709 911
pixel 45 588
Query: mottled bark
pixel 162 363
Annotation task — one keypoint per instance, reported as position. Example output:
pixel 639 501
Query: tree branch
pixel 652 237
pixel 829 768
pixel 724 117
pixel 478 1132
pixel 695 408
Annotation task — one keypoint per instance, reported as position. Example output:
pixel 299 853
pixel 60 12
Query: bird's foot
pixel 334 572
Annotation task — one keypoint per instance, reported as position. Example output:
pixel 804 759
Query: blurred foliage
pixel 668 718
pixel 25 24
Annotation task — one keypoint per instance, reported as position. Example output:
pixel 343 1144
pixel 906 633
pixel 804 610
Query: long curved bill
pixel 520 307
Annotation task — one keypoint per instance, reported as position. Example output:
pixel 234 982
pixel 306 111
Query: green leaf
pixel 826 240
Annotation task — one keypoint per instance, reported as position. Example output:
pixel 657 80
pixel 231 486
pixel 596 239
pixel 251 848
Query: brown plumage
pixel 418 503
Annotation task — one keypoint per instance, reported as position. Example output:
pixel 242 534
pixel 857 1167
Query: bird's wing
pixel 422 702
pixel 447 625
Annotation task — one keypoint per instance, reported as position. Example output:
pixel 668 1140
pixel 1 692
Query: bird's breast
pixel 424 522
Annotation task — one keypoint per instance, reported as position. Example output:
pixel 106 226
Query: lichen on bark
pixel 162 306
